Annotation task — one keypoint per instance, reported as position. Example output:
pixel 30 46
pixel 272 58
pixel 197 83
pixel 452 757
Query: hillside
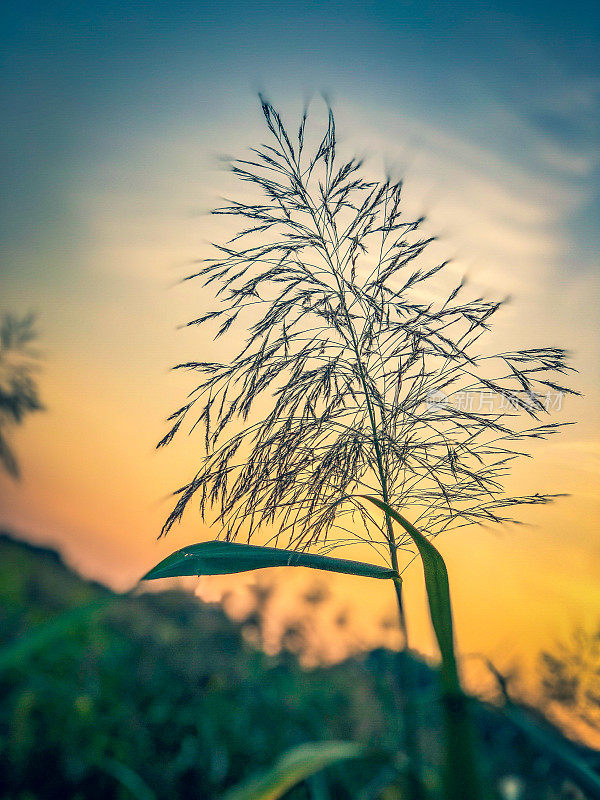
pixel 160 695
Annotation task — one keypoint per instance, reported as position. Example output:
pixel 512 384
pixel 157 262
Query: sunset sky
pixel 115 118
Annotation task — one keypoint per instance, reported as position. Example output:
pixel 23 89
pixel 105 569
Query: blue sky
pixel 509 77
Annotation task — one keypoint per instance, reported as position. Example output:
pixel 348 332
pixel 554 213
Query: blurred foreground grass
pixel 161 696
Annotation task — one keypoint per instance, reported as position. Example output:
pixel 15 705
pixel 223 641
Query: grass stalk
pixel 364 376
pixel 413 783
pixel 461 778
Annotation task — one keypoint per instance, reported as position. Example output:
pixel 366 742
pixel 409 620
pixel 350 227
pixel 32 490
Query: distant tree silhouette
pixel 18 389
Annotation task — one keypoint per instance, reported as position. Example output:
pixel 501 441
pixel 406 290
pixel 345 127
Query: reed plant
pixel 345 402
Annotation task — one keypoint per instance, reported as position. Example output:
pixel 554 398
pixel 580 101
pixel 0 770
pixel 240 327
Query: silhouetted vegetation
pixel 160 695
pixel 349 385
pixel 351 365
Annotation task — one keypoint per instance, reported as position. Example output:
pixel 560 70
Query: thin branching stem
pixel 350 373
pixel 351 379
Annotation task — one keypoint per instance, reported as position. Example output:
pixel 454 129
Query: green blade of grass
pixel 13 653
pixel 560 751
pixel 223 558
pixel 128 778
pixel 461 779
pixel 438 593
pixel 293 767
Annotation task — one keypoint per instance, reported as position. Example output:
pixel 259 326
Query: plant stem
pixel 461 776
pixel 414 784
pixel 404 666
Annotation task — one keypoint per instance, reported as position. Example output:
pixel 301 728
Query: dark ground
pixel 159 695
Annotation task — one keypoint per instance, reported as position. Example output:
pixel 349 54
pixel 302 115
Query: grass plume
pixel 361 376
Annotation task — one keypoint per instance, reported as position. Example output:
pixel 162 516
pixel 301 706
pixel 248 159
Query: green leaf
pixel 127 778
pixel 13 653
pixel 224 558
pixel 559 750
pixel 293 767
pixel 461 778
pixel 438 593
